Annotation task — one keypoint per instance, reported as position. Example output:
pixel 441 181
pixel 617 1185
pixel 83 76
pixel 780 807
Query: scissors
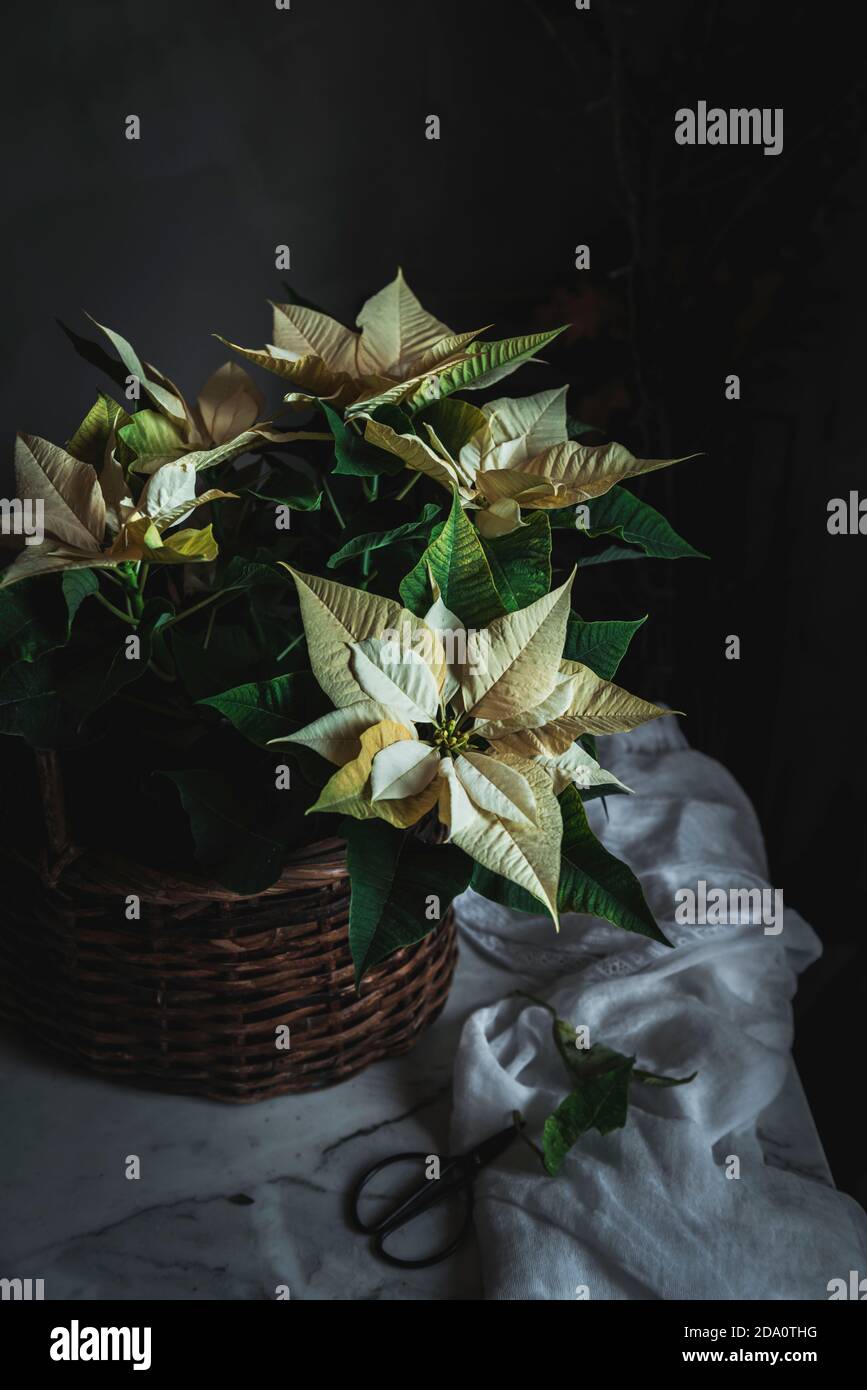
pixel 457 1175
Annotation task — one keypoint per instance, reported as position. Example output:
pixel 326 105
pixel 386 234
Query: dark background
pixel 306 127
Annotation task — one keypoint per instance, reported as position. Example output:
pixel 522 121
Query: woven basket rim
pixel 93 871
pixel 88 869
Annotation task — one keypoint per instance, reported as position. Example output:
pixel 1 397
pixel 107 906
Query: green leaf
pixel 486 363
pixel 601 1103
pixel 150 435
pixel 352 451
pixel 96 679
pixel 600 1098
pixel 228 846
pixel 375 540
pixel 591 879
pixel 453 422
pixel 601 646
pixel 263 710
pixel 619 512
pixel 461 568
pixel 32 706
pixel 521 561
pixel 90 439
pixel 576 429
pixel 650 1078
pixel 77 586
pixel 608 556
pixel 33 620
pixel 394 877
pixel 297 490
pixel 241 573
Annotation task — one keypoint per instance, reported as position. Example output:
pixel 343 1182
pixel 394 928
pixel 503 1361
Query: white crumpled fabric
pixel 647 1211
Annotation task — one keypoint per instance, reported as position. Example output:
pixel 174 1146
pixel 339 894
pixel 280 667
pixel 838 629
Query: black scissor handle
pixel 455 1178
pixel 379 1242
pixel 372 1227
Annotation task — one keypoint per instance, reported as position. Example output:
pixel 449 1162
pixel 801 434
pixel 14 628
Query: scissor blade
pixel 452 1179
pixel 491 1148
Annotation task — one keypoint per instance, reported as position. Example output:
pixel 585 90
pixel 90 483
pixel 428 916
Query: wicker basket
pixel 189 998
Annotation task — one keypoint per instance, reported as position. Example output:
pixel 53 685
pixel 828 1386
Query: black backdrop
pixel 306 127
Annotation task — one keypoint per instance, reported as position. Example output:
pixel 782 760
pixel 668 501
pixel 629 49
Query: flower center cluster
pixel 446 736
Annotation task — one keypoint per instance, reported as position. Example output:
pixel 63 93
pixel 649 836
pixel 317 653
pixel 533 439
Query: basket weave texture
pixel 191 997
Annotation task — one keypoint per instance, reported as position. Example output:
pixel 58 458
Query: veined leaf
pixel 592 880
pixel 485 364
pixel 104 419
pixel 151 435
pixel 354 454
pixel 601 1103
pixel 265 710
pixel 461 568
pixel 601 646
pixel 521 561
pixel 375 540
pixel 619 512
pixel 241 856
pixel 396 882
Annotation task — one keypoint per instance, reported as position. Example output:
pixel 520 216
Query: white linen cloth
pixel 647 1211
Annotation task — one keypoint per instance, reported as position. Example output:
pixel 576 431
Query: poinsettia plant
pixel 173 619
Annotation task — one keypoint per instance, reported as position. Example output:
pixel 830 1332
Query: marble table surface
pixel 233 1201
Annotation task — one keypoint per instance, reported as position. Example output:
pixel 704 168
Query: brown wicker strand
pixel 189 997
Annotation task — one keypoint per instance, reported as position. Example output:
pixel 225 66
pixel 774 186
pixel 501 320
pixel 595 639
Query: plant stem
pixel 408 488
pixel 210 629
pixel 124 617
pixel 293 643
pixel 334 507
pixel 188 612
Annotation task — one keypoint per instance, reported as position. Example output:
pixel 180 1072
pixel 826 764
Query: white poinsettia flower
pixel 402 354
pixel 484 744
pixel 90 523
pixel 221 425
pixel 510 454
pixel 400 344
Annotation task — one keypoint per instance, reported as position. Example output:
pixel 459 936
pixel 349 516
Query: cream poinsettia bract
pixel 223 424
pixel 400 348
pixel 509 454
pixel 90 521
pixel 479 728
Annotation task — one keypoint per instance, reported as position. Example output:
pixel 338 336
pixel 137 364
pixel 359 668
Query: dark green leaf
pixel 521 561
pixel 591 879
pixel 32 706
pixel 397 881
pixel 354 454
pixel 111 666
pixel 228 844
pixel 375 540
pixel 650 1078
pixel 461 568
pixel 619 512
pixel 264 710
pixel 601 1102
pixel 601 646
pixel 289 486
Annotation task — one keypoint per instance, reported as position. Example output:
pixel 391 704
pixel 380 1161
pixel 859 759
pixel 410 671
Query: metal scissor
pixel 457 1176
